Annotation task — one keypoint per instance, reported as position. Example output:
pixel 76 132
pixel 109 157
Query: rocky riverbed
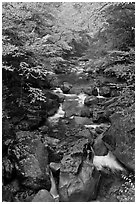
pixel 78 146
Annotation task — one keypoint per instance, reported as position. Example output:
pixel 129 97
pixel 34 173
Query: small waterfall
pixel 92 126
pixel 107 161
pixel 99 96
pixel 71 96
pixel 81 99
pixel 60 114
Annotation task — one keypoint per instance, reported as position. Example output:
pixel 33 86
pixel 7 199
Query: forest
pixel 68 101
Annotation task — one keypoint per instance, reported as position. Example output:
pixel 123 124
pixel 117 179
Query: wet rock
pixel 88 91
pixel 61 98
pixel 74 144
pixel 91 100
pixel 52 145
pixel 69 137
pixel 78 146
pixel 43 196
pixel 52 112
pixel 86 134
pixel 105 91
pixel 60 95
pixel 71 108
pixel 82 120
pixel 78 178
pixel 81 188
pixel 31 157
pixel 86 112
pixel 76 90
pixel 66 87
pixel 99 147
pixel 120 137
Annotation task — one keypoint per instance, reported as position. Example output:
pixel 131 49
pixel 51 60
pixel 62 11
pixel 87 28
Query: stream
pixel 70 110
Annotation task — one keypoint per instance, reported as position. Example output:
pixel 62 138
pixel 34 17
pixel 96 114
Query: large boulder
pixel 71 108
pixel 99 147
pixel 68 134
pixel 91 100
pixel 105 91
pixel 79 178
pixel 86 112
pixel 120 137
pixel 88 91
pixel 82 120
pixel 43 196
pixel 31 160
pixel 85 133
pixel 66 87
pixel 81 187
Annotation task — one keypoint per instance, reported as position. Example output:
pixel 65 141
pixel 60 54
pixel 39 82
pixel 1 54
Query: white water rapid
pixel 107 161
pixel 81 99
pixel 60 114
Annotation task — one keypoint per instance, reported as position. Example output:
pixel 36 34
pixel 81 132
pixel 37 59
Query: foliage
pixel 125 72
pixel 40 38
pixel 36 95
pixel 27 35
pixel 46 30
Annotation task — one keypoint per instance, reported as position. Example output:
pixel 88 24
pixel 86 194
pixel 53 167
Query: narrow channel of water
pixel 75 102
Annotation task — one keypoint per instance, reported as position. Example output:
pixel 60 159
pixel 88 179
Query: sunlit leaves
pixel 36 95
